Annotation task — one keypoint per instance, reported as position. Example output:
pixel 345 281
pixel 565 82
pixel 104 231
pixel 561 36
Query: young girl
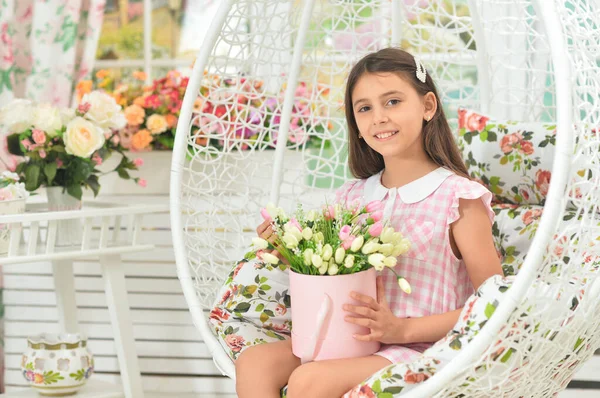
pixel 403 151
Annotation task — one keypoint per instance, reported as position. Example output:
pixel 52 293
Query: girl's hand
pixel 377 316
pixel 265 231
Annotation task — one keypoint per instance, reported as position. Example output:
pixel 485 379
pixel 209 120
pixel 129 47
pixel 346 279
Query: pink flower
pixel 377 215
pixel 280 309
pixel 330 212
pixel 142 183
pixel 27 144
pixel 542 181
pixel 235 342
pixel 476 122
pixel 265 215
pixel 138 162
pixel 42 154
pixel 84 107
pixel 39 137
pixel 295 223
pixel 345 232
pixel 59 163
pixel 97 159
pixel 373 206
pixel 375 229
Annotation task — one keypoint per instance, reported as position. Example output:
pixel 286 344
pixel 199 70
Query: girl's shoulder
pixel 350 191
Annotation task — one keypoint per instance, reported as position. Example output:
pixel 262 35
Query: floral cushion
pixel 252 306
pixel 513 160
pixel 400 378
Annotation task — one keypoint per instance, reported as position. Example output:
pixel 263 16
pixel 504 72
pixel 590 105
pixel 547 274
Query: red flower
pixel 219 315
pixel 542 181
pixel 238 268
pixel 462 113
pixel 510 141
pixel 361 392
pixel 235 342
pixel 280 309
pixel 476 122
pixel 531 215
pixel 526 147
pixel 413 378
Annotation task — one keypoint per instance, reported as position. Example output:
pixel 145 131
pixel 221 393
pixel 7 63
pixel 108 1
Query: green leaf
pixel 507 356
pixel 456 344
pixel 75 191
pixel 14 145
pixel 394 390
pixel 94 184
pixel 123 174
pixel 260 307
pixel 250 289
pixel 264 317
pixel 242 307
pixel 376 387
pixel 489 310
pixel 483 136
pixel 32 177
pixel 50 172
pixel 265 287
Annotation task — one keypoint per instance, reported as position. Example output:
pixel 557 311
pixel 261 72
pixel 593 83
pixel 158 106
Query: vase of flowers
pixel 12 201
pixel 62 147
pixel 331 253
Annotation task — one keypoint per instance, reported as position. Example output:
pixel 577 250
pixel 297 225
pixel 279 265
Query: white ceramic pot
pixel 14 206
pixel 57 365
pixel 68 232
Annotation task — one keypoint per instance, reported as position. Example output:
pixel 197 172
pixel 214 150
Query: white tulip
pixel 319 237
pixel 404 285
pixel 308 253
pixel 293 230
pixel 272 210
pixel 370 247
pixel 387 235
pixel 327 252
pixel 269 258
pixel 333 269
pixel 317 261
pixel 259 243
pixel 349 261
pixel 386 249
pixel 290 240
pixel 311 215
pixel 390 262
pixel 307 233
pixel 357 243
pixel 323 268
pixel 397 238
pixel 340 253
pixel 376 260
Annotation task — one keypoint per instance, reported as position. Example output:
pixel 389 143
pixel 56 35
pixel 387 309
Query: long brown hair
pixel 438 140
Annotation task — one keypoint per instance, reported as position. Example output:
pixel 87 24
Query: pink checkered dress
pixel 422 211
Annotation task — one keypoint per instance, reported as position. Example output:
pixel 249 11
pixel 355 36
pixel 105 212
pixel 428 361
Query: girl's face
pixel 389 113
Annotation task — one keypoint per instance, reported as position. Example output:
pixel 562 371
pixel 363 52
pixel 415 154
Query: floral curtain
pixel 46 47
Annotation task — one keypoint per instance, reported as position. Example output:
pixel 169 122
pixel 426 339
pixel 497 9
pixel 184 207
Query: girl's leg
pixel 263 370
pixel 332 379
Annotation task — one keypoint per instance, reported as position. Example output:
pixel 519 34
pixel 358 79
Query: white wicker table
pixel 107 231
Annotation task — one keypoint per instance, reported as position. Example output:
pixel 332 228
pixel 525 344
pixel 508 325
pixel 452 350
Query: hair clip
pixel 421 72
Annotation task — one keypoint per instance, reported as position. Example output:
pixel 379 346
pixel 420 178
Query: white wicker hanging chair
pixel 527 60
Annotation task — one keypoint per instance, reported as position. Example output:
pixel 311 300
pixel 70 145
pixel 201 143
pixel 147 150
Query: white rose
pixel 48 119
pixel 104 110
pixel 14 191
pixel 66 115
pixel 17 116
pixel 83 138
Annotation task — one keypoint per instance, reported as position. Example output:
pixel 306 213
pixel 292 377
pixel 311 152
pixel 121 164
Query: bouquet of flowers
pixel 338 240
pixel 151 112
pixel 11 188
pixel 239 114
pixel 62 147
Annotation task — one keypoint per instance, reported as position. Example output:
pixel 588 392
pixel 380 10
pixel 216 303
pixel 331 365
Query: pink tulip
pixel 345 232
pixel 346 243
pixel 265 215
pixel 295 223
pixel 377 216
pixel 373 206
pixel 375 229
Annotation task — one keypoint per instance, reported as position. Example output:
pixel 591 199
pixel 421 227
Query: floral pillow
pixel 512 159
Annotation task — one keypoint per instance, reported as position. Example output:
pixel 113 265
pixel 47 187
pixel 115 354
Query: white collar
pixel 413 192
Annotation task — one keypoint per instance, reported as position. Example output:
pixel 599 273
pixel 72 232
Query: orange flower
pixel 83 87
pixel 102 74
pixel 542 181
pixel 140 101
pixel 38 378
pixel 141 140
pixel 139 75
pixel 198 105
pixel 171 120
pixel 135 115
pixel 157 124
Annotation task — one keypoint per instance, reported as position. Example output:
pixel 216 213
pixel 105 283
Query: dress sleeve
pixel 467 189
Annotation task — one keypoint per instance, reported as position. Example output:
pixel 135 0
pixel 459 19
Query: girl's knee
pixel 304 382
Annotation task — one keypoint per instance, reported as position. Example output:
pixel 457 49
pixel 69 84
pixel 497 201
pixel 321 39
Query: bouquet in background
pixel 238 114
pixel 11 188
pixel 151 112
pixel 62 147
pixel 335 241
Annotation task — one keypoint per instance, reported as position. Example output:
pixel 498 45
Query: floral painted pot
pixel 57 365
